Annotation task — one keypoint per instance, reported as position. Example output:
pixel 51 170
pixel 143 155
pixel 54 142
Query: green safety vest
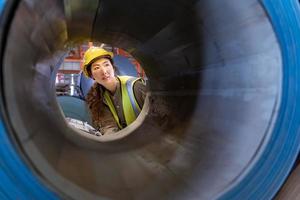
pixel 131 108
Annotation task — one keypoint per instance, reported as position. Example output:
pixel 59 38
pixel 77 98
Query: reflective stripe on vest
pixel 131 108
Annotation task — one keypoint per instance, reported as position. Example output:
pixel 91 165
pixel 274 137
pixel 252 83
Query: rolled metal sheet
pixel 220 121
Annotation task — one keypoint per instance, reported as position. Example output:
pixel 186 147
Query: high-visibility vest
pixel 131 108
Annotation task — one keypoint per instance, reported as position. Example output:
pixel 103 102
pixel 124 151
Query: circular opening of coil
pixel 84 102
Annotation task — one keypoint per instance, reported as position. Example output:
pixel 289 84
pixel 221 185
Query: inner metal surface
pixel 214 71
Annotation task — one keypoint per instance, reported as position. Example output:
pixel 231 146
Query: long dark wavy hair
pixel 94 100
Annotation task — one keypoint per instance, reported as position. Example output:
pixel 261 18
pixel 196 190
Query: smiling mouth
pixel 106 78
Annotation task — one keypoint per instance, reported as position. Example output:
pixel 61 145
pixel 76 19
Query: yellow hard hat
pixel 91 54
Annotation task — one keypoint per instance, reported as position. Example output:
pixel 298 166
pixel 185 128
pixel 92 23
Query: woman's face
pixel 103 71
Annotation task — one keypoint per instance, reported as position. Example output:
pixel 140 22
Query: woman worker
pixel 114 101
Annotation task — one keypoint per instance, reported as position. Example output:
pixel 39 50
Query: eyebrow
pixel 94 65
pixel 105 62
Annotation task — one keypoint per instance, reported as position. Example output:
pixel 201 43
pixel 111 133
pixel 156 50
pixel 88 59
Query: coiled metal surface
pixel 220 122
